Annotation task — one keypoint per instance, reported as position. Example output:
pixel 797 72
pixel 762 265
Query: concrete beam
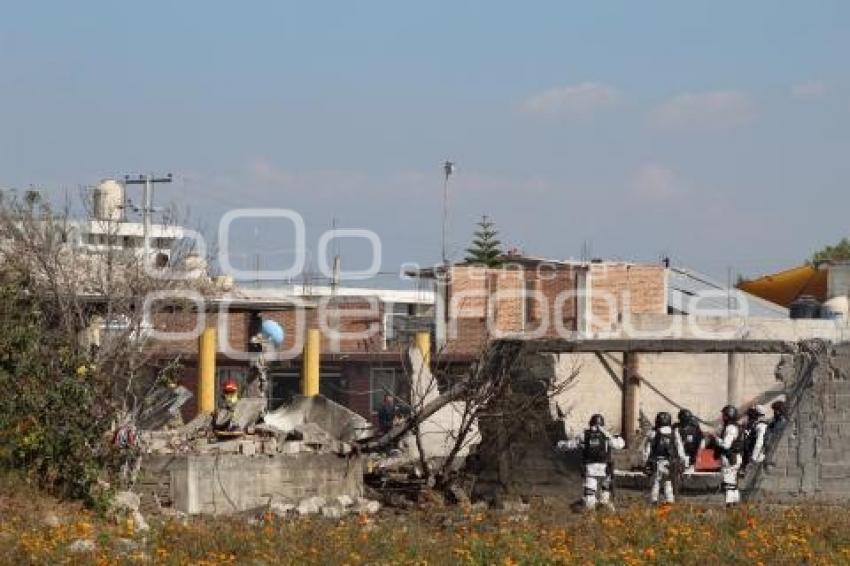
pixel 656 345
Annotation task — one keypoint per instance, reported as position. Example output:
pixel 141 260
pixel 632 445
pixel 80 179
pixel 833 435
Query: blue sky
pixel 715 132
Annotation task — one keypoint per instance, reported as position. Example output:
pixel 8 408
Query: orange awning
pixel 784 287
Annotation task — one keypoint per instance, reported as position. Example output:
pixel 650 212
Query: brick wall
pixel 359 324
pixel 617 288
pixel 541 299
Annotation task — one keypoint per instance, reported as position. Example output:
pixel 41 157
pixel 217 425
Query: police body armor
pixel 663 447
pixel 596 449
pixel 750 438
pixel 691 436
pixel 737 448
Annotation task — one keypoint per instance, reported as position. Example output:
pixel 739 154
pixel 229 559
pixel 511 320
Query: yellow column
pixel 206 371
pixel 310 364
pixel 423 343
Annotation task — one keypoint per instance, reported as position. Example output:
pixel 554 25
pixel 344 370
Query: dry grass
pixel 36 529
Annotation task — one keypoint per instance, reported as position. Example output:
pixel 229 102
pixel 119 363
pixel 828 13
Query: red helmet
pixel 230 386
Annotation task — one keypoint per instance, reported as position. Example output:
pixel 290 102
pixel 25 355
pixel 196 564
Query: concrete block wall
pixel 229 483
pixel 811 459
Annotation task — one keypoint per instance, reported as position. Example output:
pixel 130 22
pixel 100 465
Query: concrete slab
pixel 222 484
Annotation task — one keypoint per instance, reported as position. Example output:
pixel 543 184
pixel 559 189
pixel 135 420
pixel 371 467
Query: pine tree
pixel 485 249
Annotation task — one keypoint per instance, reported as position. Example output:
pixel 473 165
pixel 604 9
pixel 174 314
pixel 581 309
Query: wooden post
pixel 631 398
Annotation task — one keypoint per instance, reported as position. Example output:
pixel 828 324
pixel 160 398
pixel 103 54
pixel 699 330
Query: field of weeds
pixel 37 529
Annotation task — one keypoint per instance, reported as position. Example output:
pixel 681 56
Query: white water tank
pixel 109 200
pixel 836 308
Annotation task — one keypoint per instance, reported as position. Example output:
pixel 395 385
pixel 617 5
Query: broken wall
pixel 518 434
pixel 221 484
pixel 811 459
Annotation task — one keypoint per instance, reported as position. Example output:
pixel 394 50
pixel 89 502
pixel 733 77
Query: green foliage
pixel 840 251
pixel 486 249
pixel 53 418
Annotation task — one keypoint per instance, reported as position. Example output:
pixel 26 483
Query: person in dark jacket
pixel 387 414
pixel 691 436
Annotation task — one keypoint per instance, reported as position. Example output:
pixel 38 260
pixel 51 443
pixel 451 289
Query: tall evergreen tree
pixel 486 249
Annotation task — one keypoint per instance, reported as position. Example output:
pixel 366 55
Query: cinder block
pixel 835 485
pixel 834 456
pixel 835 471
pixel 785 484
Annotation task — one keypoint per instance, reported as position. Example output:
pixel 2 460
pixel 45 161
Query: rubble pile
pixel 239 461
pixel 307 424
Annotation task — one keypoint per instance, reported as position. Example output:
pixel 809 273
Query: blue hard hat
pixel 273 331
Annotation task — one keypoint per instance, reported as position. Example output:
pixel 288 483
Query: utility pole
pixel 448 169
pixel 148 181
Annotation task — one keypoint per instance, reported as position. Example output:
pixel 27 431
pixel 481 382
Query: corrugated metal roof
pixel 689 292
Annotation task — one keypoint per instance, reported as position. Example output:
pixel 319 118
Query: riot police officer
pixel 661 451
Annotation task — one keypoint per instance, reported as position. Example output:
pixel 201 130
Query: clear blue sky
pixel 716 132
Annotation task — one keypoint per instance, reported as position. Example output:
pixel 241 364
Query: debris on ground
pixel 81 546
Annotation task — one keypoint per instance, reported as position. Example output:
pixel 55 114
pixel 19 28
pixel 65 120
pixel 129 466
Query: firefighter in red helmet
pixel 229 398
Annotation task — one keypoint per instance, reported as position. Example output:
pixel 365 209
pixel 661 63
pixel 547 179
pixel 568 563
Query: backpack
pixel 662 447
pixel 595 450
pixel 691 436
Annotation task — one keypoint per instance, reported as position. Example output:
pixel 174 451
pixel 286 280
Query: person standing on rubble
pixel 755 435
pixel 689 433
pixel 229 398
pixel 780 417
pixel 662 450
pixel 387 414
pixel 729 445
pixel 597 468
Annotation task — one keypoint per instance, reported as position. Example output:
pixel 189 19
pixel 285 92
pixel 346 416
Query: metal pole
pixel 146 215
pixel 445 215
pixel 448 169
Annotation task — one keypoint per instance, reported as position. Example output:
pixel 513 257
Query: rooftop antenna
pixel 337 267
pixel 448 170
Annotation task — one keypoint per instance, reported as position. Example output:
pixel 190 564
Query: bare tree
pixel 496 387
pixel 90 304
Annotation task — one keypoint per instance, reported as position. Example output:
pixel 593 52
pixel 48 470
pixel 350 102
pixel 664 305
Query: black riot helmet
pixel 597 420
pixel 778 408
pixel 685 416
pixel 663 419
pixel 755 412
pixel 729 413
